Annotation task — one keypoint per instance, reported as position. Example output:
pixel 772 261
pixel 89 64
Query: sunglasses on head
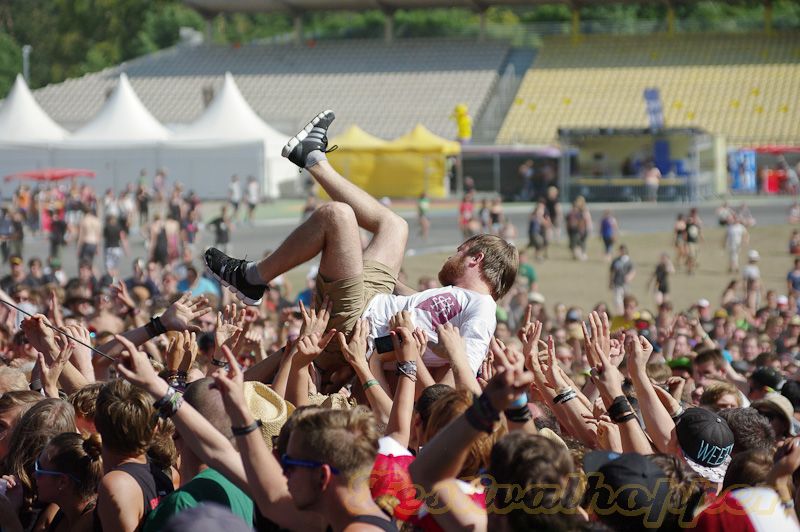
pixel 288 463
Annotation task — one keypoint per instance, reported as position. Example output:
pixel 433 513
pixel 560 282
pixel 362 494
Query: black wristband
pixel 477 422
pixel 36 385
pixel 155 327
pixel 521 414
pixel 624 418
pixel 619 407
pixel 219 363
pixel 242 431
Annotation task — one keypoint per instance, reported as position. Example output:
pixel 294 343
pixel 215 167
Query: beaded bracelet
pixel 219 363
pixel 408 368
pixel 164 400
pixel 170 404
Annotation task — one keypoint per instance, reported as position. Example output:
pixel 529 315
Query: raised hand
pixel 40 335
pixel 316 321
pixel 50 372
pixel 182 351
pixel 401 319
pixel 230 383
pixel 551 372
pixel 530 343
pixel 54 308
pixel 638 350
pixel 487 370
pixel 81 355
pixel 136 368
pixel 179 315
pixel 227 329
pixel 605 375
pixel 310 346
pixel 510 379
pixel 119 292
pixel 451 345
pixel 405 345
pixel 355 351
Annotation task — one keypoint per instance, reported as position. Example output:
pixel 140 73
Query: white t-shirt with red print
pixel 471 312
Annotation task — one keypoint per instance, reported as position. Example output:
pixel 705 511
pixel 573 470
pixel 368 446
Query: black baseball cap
pixel 791 391
pixel 626 491
pixel 769 377
pixel 706 441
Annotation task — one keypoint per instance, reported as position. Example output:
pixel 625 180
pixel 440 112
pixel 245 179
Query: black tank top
pixel 154 483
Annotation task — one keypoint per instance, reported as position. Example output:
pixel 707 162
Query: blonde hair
pixel 344 439
pixel 715 391
pixel 446 409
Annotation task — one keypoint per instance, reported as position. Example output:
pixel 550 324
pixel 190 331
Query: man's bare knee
pixel 396 227
pixel 336 212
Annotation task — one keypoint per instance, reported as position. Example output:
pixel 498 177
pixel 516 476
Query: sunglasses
pixel 288 463
pixel 38 471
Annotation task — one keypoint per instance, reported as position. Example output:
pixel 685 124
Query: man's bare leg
pixel 390 232
pixel 332 229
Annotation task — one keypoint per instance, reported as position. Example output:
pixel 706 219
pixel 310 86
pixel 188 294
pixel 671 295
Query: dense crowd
pixel 161 402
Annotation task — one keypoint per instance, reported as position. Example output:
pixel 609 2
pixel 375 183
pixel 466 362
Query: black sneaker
pixel 312 137
pixel 230 272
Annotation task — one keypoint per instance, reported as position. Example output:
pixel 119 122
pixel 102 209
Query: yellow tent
pixel 404 167
pixel 421 139
pixel 412 164
pixel 355 156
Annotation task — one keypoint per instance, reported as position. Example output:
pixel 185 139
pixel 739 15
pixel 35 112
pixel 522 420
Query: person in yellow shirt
pixel 463 123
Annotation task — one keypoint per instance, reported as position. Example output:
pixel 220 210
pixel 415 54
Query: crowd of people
pixel 221 402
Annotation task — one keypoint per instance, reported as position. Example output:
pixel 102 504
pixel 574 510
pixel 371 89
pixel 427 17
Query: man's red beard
pixel 452 270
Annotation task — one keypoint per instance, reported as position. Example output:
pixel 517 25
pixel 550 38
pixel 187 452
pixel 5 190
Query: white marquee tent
pixel 124 137
pixel 229 137
pixel 25 131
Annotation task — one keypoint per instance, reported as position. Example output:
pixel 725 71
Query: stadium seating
pixel 743 87
pixel 384 88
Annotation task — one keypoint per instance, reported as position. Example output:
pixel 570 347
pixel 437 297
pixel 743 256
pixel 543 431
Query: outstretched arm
pixel 659 423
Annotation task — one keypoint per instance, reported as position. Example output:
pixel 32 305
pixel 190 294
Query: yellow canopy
pixel 422 139
pixel 404 167
pixel 356 138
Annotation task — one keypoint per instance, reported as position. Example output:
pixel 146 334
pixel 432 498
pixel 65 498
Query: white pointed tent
pixel 230 124
pixel 23 121
pixel 25 131
pixel 117 143
pixel 123 119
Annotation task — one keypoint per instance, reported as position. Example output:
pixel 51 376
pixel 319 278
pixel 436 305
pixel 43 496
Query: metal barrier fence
pixel 632 189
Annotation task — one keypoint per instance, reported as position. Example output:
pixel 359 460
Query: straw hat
pixel 269 407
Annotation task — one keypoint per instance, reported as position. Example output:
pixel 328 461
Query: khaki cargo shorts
pixel 350 297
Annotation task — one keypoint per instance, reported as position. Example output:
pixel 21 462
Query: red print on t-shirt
pixel 442 308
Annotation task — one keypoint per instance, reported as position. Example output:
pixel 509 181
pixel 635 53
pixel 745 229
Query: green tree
pixel 10 62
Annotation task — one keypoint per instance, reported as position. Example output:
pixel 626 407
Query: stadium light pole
pixel 26 60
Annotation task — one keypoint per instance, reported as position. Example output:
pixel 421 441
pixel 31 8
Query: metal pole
pixel 496 171
pixel 26 60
